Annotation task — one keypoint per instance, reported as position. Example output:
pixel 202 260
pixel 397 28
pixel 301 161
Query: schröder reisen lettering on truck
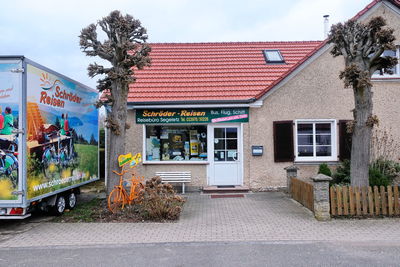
pixel 49 140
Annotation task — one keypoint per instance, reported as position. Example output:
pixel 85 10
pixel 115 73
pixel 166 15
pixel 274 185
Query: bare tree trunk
pixel 117 138
pixel 361 139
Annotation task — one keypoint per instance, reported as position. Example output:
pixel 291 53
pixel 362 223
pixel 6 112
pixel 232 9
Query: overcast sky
pixel 46 31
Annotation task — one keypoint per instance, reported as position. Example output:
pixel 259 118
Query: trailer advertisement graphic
pixel 10 89
pixel 62 133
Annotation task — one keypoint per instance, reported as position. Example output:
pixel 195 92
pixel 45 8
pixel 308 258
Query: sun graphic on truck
pixel 46 83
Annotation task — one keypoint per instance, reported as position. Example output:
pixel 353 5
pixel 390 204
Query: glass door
pixel 226 161
pixel 226 144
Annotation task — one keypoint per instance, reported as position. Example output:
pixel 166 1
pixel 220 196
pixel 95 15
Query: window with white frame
pixel 176 143
pixel 396 69
pixel 315 140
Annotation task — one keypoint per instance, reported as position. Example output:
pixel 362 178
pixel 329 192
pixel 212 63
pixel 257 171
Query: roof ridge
pixel 292 68
pixel 315 50
pixel 198 81
pixel 232 42
pixel 371 5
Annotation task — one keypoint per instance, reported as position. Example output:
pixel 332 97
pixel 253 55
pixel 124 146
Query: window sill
pixel 176 163
pixel 311 163
pixel 386 79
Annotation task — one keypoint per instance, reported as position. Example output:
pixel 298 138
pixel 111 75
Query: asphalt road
pixel 210 254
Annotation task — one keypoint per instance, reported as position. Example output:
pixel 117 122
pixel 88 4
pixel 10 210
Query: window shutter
pixel 283 141
pixel 344 141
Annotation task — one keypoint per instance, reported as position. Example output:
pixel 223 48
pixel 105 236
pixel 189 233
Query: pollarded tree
pixel 362 46
pixel 124 48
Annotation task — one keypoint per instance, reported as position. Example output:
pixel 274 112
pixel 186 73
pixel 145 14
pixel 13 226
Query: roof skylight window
pixel 273 56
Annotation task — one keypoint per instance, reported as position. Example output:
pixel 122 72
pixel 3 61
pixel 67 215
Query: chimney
pixel 326 26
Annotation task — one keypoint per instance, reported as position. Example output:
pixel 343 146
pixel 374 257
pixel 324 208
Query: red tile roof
pixel 214 71
pixel 202 72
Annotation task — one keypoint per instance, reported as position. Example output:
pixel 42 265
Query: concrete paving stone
pixel 270 216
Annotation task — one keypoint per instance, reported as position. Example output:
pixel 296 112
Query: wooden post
pixel 358 200
pixel 364 200
pixel 390 200
pixel 383 200
pixel 370 201
pixel 377 201
pixel 332 199
pixel 339 200
pixel 396 200
pixel 345 201
pixel 351 200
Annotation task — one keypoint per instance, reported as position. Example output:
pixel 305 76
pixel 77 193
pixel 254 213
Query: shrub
pixel 342 174
pixel 324 169
pixel 381 172
pixel 376 177
pixel 159 201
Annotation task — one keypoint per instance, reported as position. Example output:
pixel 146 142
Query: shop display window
pixel 176 143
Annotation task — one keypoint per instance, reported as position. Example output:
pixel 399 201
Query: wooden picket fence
pixel 355 201
pixel 303 192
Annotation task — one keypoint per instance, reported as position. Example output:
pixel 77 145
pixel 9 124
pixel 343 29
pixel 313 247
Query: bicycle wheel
pixel 115 200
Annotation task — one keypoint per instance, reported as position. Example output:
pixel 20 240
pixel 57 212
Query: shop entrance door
pixel 226 156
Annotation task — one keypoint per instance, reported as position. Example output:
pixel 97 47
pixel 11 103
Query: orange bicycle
pixel 119 196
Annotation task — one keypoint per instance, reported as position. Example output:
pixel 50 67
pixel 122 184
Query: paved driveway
pixel 257 217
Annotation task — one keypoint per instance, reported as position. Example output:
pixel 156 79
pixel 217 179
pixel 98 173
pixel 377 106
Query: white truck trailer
pixel 48 138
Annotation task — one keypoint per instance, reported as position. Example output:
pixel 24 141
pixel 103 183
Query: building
pixel 239 113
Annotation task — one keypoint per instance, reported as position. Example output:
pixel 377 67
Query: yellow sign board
pixel 128 158
pixel 124 159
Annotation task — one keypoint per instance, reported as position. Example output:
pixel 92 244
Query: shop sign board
pixel 188 115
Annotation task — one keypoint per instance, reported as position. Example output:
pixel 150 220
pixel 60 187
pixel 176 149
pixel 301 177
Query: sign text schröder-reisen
pixel 160 116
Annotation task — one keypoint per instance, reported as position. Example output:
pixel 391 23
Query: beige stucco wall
pixel 386 93
pixel 315 93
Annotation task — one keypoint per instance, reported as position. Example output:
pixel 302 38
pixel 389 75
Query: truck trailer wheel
pixel 71 201
pixel 59 206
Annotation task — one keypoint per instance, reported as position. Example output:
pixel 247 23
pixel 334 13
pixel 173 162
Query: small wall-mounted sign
pixel 124 159
pixel 257 150
pixel 128 158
